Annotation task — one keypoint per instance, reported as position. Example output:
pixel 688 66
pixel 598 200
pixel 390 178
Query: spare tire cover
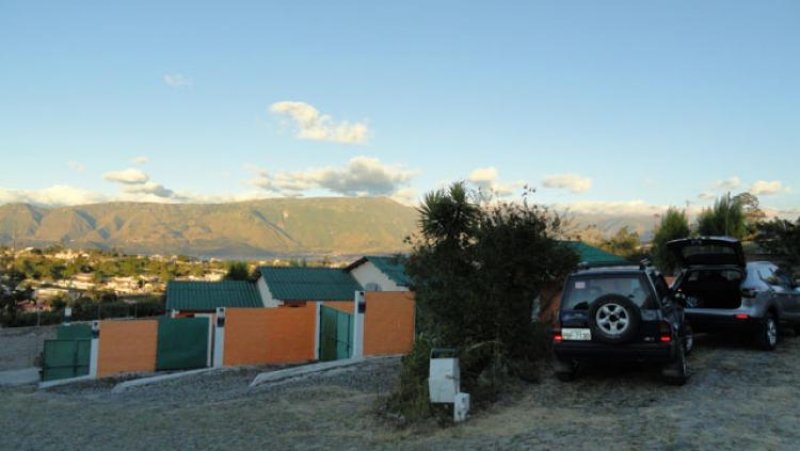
pixel 614 318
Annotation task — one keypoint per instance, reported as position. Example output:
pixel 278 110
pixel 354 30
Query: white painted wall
pixel 367 273
pixel 266 295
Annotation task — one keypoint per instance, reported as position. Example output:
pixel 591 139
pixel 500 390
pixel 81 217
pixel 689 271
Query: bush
pixel 476 270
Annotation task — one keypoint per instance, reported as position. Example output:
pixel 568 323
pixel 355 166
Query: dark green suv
pixel 616 314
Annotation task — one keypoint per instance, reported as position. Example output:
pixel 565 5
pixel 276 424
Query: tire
pixel 688 339
pixel 614 319
pixel 797 331
pixel 677 372
pixel 767 334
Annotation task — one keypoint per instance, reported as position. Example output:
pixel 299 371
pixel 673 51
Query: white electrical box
pixel 444 378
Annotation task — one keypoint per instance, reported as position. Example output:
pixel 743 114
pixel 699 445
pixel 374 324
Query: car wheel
pixel 677 372
pixel 767 335
pixel 614 318
pixel 688 339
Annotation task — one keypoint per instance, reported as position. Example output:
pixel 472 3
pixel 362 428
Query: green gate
pixel 335 334
pixel 67 356
pixel 182 343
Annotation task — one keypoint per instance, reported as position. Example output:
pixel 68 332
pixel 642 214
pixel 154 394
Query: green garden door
pixel 335 334
pixel 182 343
pixel 67 356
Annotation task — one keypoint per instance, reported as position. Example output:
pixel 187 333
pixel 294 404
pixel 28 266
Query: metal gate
pixel 335 334
pixel 182 343
pixel 67 356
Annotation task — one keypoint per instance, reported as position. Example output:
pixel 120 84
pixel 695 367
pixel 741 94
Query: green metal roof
pixel 593 255
pixel 205 296
pixel 393 267
pixel 309 284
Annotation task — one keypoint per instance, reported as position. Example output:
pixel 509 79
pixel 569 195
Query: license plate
pixel 576 334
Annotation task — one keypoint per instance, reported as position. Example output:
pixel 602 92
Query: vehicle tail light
pixel 665 332
pixel 557 338
pixel 741 316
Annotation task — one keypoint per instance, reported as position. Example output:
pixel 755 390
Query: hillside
pixel 253 229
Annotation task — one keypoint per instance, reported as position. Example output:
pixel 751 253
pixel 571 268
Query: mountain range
pixel 253 229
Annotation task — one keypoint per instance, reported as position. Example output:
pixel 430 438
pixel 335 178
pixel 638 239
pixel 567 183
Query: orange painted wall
pixel 273 335
pixel 342 306
pixel 388 323
pixel 127 347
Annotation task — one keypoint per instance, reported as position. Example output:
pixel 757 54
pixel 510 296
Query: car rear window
pixel 580 292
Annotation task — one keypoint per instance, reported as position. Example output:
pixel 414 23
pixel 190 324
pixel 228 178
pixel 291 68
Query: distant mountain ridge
pixel 251 229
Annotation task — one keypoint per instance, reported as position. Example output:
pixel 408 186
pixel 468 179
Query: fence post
pixel 219 338
pixel 94 354
pixel 359 309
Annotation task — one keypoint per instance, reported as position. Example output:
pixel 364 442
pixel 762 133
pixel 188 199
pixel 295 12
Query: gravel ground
pixel 738 397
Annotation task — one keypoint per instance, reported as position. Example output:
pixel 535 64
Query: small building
pixel 380 273
pixel 190 297
pixel 281 285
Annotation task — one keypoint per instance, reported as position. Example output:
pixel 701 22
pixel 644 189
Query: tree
pixel 780 237
pixel 625 243
pixel 752 212
pixel 476 269
pixel 674 225
pixel 726 218
pixel 238 270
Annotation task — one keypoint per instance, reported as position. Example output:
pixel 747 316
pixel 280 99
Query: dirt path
pixel 738 397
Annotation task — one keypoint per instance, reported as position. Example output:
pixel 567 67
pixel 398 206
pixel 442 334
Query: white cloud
pixel 55 196
pixel 140 160
pixel 572 182
pixel 313 125
pixel 177 80
pixel 706 196
pixel 127 176
pixel 728 184
pixel 149 188
pixel 363 176
pixel 136 186
pixel 765 188
pixel 75 166
pixel 406 196
pixel 619 208
pixel 486 180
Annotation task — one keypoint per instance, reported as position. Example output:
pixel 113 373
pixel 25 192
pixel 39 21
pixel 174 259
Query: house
pixel 187 298
pixel 380 273
pixel 284 285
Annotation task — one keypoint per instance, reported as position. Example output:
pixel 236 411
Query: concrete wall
pixel 368 273
pixel 127 347
pixel 270 336
pixel 388 323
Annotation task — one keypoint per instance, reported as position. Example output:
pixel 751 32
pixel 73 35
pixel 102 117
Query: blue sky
pixel 607 106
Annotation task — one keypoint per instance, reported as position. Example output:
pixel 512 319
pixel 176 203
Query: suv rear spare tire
pixel 614 318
